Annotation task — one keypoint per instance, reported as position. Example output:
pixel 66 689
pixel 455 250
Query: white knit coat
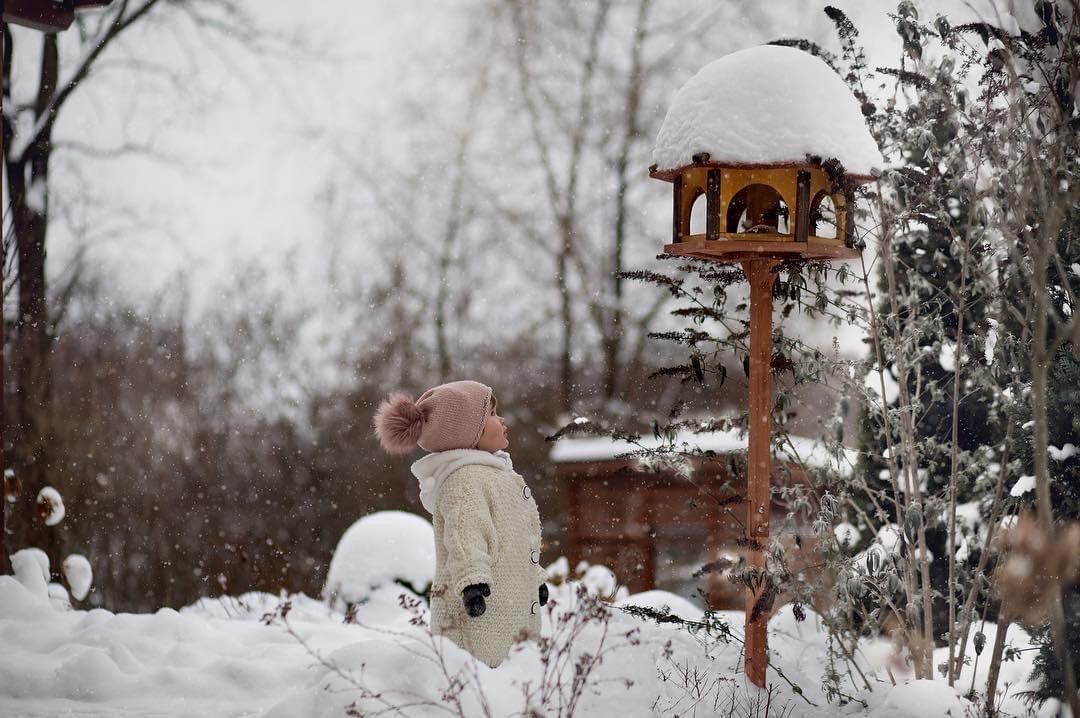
pixel 487 530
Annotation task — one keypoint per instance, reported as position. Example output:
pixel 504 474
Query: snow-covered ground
pixel 219 658
pixel 365 649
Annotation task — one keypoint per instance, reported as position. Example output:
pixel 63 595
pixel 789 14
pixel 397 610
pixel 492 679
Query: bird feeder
pixel 764 148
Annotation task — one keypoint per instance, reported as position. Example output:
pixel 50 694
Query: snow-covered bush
pixel 78 574
pixel 50 506
pixel 973 228
pixel 31 567
pixel 599 580
pixel 381 549
pixel 966 301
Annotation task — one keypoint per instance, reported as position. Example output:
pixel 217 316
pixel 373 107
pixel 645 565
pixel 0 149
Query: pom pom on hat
pixel 448 416
pixel 399 422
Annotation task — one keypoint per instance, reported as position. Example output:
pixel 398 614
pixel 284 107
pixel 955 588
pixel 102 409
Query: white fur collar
pixel 433 469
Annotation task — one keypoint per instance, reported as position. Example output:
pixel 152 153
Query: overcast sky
pixel 247 141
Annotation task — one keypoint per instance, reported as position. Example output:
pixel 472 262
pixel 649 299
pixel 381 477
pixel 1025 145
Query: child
pixel 488 585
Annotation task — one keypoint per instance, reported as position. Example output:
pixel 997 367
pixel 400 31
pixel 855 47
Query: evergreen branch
pixel 689 337
pixel 907 76
pixel 808 47
pixel 682 370
pixel 699 312
pixel 645 275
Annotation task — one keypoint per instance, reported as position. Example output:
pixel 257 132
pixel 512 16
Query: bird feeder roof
pixel 767 106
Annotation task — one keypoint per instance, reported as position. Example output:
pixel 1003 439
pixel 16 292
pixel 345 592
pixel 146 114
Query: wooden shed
pixel 656 525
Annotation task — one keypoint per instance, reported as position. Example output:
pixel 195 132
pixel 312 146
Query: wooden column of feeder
pixel 761 275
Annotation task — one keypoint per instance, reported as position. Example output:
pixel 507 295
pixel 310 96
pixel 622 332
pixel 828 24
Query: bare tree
pixel 30 146
pixel 584 83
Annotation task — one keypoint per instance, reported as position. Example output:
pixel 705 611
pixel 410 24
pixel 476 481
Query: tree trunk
pixel 28 186
pixel 922 643
pixel 566 364
pixel 5 140
pixel 958 302
pixel 613 332
pixel 995 664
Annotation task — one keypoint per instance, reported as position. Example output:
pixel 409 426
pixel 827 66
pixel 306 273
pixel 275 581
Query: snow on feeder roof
pixel 767 106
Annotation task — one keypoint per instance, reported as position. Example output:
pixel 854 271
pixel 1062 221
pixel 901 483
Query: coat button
pixel 535 605
pixel 534 556
pixel 525 492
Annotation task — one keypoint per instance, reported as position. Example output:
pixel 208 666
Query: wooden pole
pixel 3 339
pixel 802 206
pixel 761 275
pixel 678 227
pixel 712 205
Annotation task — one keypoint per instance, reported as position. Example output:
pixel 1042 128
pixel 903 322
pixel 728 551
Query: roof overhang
pixel 670 175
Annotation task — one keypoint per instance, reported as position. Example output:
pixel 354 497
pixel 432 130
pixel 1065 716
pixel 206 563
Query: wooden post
pixel 802 206
pixel 573 487
pixel 677 227
pixel 761 274
pixel 3 379
pixel 849 217
pixel 712 205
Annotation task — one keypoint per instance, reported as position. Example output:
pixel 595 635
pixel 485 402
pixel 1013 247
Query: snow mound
pixel 559 569
pixel 18 602
pixel 79 575
pixel 767 105
pixel 1065 452
pixel 382 548
pixel 915 697
pixel 601 581
pixel 1023 485
pixel 254 605
pixel 218 659
pixel 31 567
pixel 846 534
pixel 59 597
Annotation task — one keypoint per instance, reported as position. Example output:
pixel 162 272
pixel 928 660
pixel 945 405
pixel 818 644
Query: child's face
pixel 495 436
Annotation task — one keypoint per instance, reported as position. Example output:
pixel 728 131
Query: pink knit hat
pixel 449 416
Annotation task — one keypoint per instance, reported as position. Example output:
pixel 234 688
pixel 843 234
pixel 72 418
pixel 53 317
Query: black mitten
pixel 473 596
pixel 543 594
